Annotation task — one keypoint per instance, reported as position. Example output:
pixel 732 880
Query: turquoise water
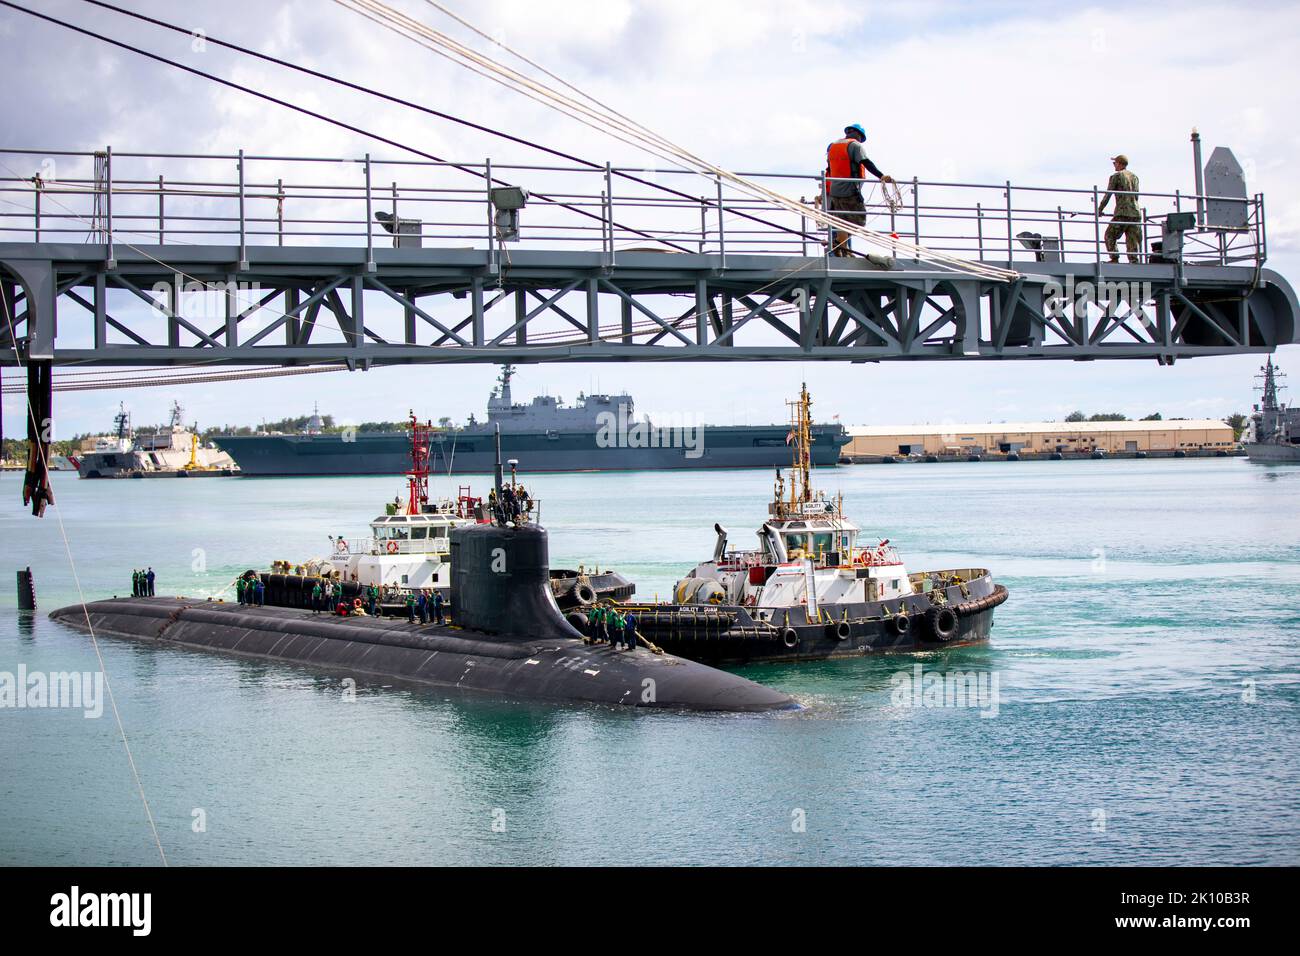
pixel 1146 664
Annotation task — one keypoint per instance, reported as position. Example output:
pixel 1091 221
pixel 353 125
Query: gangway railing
pixel 246 200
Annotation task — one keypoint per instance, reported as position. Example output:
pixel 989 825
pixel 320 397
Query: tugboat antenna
pixel 497 475
pixel 418 477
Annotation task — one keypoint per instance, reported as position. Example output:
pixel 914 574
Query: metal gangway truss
pixel 136 259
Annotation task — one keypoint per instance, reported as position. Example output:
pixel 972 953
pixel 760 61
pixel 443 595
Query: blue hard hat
pixel 855 128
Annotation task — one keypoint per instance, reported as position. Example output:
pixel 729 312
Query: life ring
pixel 341 546
pixel 356 602
pixel 790 637
pixel 392 547
pixel 942 622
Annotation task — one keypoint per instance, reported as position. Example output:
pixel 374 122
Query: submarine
pixel 509 638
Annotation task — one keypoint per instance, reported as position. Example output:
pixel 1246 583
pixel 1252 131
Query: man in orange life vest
pixel 847 161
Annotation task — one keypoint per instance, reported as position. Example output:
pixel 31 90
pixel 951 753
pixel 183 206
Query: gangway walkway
pixel 134 259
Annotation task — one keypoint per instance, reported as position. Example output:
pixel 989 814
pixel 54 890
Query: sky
pixel 1040 93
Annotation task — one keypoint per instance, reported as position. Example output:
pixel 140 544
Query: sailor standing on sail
pixel 847 163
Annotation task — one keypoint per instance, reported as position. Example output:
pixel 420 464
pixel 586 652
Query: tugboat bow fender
pixel 967 608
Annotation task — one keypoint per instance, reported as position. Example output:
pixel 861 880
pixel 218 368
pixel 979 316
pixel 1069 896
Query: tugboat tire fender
pixel 942 622
pixel 790 637
pixel 584 593
pixel 900 624
pixel 838 630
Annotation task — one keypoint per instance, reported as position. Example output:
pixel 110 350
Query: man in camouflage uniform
pixel 1123 185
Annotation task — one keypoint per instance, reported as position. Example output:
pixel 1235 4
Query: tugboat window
pixel 417 534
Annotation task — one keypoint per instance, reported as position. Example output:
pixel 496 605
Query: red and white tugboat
pixel 408 548
pixel 816 587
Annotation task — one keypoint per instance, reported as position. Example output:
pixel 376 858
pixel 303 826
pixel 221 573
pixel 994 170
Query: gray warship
pixel 1274 428
pixel 166 452
pixel 599 432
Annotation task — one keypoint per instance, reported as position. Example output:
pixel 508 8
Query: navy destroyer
pixel 598 433
pixel 1274 428
pixel 815 587
pixel 172 451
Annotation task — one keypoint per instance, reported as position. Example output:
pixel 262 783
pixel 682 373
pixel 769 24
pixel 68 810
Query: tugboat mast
pixel 418 477
pixel 800 437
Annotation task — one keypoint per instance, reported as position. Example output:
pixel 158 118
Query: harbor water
pixel 1139 702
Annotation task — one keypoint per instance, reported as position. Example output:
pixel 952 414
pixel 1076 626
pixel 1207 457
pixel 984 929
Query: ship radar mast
pixel 122 421
pixel 178 417
pixel 507 373
pixel 1270 387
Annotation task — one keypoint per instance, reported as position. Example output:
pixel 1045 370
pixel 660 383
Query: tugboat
pixel 815 588
pixel 1275 428
pixel 409 549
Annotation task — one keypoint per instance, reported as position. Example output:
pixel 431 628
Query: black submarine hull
pixel 551 669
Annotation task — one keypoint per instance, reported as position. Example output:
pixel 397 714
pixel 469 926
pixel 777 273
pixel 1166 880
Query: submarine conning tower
pixel 501 582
